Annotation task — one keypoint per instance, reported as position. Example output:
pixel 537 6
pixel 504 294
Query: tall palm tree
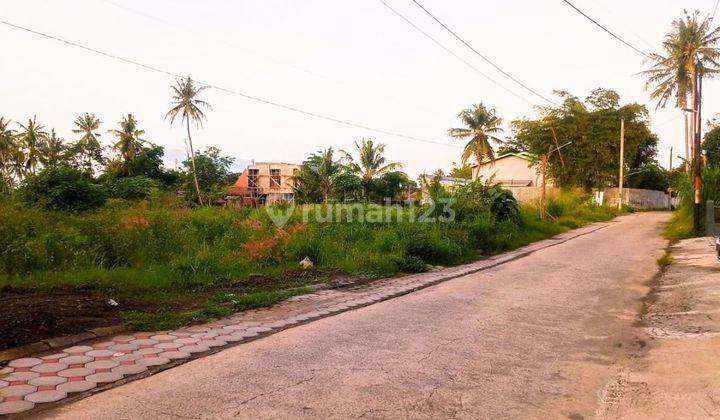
pixel 88 147
pixel 370 163
pixel 129 142
pixel 482 126
pixel 7 149
pixel 689 48
pixel 32 137
pixel 53 150
pixel 185 103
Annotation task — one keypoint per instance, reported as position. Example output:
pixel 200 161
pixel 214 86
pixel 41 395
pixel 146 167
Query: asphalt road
pixel 538 337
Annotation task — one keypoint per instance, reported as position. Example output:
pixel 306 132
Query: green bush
pixel 411 264
pixel 133 188
pixel 62 188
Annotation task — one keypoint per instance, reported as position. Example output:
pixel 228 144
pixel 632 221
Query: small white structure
pixel 511 170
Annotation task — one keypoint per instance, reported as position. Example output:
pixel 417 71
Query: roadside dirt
pixel 28 316
pixel 677 375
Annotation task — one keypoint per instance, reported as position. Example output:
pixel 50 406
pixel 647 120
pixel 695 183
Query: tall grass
pixel 149 249
pixel 681 225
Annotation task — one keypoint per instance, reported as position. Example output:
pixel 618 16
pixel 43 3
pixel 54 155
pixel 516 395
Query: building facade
pixel 511 170
pixel 264 183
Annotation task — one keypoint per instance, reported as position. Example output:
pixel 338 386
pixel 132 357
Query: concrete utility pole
pixel 670 188
pixel 697 175
pixel 622 163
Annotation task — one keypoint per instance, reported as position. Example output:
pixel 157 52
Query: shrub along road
pixel 539 336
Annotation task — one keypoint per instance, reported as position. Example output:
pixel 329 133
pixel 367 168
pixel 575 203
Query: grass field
pixel 167 265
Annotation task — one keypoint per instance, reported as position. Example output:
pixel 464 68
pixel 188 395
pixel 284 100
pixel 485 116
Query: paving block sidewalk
pixel 34 382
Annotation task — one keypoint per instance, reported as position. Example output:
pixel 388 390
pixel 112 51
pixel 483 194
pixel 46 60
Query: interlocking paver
pixel 14 392
pixel 20 378
pixel 163 337
pixel 104 377
pixel 130 369
pixel 120 339
pixel 174 355
pixel 46 396
pixel 101 354
pixel 153 361
pixel 124 347
pixel 48 369
pixel 47 382
pixel 77 350
pixel 24 364
pixel 75 361
pixel 75 374
pixel 192 348
pixel 144 342
pixel 168 346
pixel 76 386
pixel 54 358
pixel 100 366
pixel 13 407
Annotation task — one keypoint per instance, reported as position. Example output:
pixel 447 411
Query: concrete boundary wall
pixel 634 197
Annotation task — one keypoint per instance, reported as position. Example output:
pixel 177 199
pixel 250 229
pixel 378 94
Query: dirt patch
pixel 27 317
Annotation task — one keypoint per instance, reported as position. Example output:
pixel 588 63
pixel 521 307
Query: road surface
pixel 542 336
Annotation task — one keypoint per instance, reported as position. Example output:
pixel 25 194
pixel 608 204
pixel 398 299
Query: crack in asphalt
pixel 274 391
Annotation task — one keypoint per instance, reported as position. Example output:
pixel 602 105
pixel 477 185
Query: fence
pixel 634 197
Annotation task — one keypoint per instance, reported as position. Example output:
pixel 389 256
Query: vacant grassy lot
pixel 166 265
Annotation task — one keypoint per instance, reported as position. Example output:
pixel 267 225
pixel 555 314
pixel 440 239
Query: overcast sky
pixel 352 60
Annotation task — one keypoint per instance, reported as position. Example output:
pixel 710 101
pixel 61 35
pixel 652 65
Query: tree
pixel 370 163
pixel 650 176
pixel 711 146
pixel 53 150
pixel 394 185
pixel 88 149
pixel 314 181
pixel 482 126
pixel 212 172
pixel 689 48
pixel 463 172
pixel 8 148
pixel 186 104
pixel 592 159
pixel 32 136
pixel 129 142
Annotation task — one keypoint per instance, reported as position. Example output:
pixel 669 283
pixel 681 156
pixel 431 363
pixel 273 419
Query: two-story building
pixel 264 183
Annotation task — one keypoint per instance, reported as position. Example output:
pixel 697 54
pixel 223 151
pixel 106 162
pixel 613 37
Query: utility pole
pixel 697 175
pixel 670 170
pixel 622 163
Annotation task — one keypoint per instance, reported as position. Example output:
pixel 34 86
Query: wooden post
pixel 670 170
pixel 622 163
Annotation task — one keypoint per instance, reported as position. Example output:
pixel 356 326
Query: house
pixel 511 170
pixel 264 183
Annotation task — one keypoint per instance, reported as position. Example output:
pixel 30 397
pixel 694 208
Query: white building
pixel 510 170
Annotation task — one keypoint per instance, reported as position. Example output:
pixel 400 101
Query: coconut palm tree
pixel 370 163
pixel 53 150
pixel 88 148
pixel 32 137
pixel 129 142
pixel 482 126
pixel 315 178
pixel 7 149
pixel 185 103
pixel 689 49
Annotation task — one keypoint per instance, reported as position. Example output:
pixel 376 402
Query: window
pixel 275 178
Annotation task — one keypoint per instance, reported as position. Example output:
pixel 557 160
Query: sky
pixel 352 60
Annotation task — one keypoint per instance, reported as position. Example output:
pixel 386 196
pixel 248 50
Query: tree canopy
pixel 593 128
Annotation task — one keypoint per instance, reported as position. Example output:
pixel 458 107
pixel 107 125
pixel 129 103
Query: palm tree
pixel 129 142
pixel 186 104
pixel 32 138
pixel 370 163
pixel 88 147
pixel 316 175
pixel 689 49
pixel 482 127
pixel 7 149
pixel 53 150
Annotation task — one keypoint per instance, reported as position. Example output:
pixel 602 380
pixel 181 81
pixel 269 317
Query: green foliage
pixel 711 146
pixel 134 188
pixel 213 175
pixel 592 159
pixel 649 177
pixel 462 172
pixel 63 188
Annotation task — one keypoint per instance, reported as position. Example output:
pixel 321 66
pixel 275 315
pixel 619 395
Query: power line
pixel 482 56
pixel 449 51
pixel 224 89
pixel 605 29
